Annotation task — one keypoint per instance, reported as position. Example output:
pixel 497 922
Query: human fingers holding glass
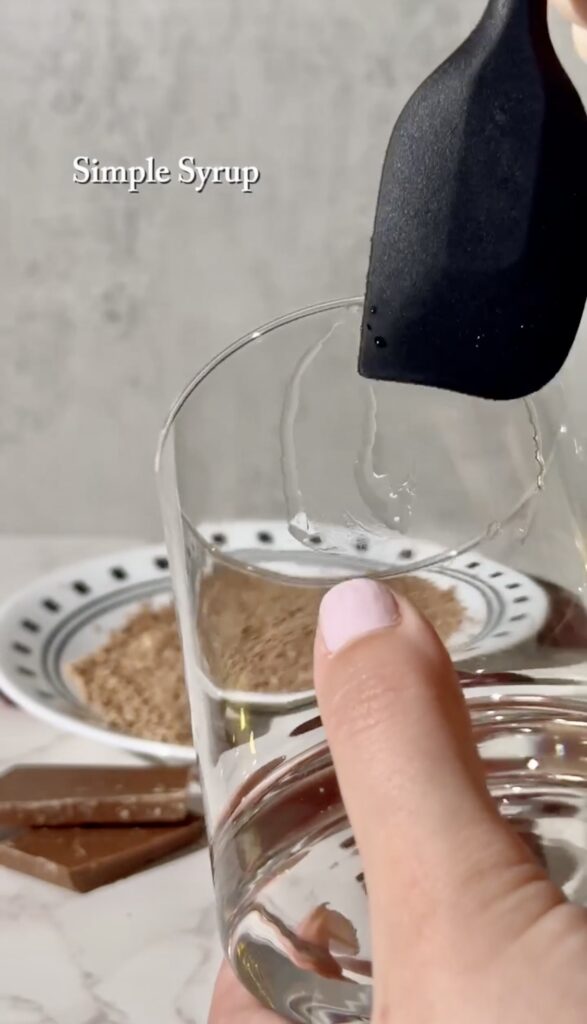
pixel 465 923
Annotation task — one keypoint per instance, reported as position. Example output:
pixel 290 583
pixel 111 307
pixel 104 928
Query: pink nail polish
pixel 354 608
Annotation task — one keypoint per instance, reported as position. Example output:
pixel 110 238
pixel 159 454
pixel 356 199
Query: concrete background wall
pixel 109 302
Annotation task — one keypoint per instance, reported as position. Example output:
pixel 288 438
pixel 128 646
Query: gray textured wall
pixel 109 301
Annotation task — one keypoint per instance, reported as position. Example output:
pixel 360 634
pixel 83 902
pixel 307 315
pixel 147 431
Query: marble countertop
pixel 141 951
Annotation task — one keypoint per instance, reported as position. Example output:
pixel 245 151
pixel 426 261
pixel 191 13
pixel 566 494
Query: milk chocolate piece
pixel 93 794
pixel 86 858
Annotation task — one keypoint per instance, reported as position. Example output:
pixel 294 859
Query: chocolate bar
pixel 38 795
pixel 86 858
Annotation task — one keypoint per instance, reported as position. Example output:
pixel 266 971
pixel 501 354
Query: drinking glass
pixel 282 471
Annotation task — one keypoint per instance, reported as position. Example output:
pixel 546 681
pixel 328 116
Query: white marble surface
pixel 141 951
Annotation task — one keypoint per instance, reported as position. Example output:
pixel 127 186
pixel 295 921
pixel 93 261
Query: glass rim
pixel 236 346
pixel 208 368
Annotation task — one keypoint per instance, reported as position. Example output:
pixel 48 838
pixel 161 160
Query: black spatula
pixel 478 272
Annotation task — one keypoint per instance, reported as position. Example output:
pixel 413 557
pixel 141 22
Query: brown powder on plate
pixel 134 682
pixel 256 635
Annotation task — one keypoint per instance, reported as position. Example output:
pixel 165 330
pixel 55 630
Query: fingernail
pixel 353 609
pixel 580 39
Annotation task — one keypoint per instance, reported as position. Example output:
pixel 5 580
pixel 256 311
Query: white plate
pixel 69 613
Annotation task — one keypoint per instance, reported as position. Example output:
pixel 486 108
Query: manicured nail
pixel 354 608
pixel 580 38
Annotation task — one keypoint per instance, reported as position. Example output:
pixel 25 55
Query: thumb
pixel 436 853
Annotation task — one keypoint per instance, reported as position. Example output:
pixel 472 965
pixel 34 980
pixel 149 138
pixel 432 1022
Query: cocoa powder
pixel 256 635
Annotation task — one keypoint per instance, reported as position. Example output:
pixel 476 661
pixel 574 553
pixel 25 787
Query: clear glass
pixel 281 471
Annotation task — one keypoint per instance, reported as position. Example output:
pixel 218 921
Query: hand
pixel 576 11
pixel 465 924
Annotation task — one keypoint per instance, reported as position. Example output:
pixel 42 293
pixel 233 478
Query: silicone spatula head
pixel 478 272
